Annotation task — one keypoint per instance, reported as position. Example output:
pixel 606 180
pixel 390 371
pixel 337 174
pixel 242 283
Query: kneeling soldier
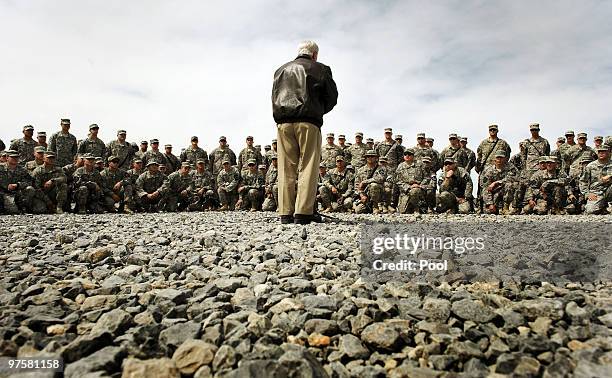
pixel 546 192
pixel 337 191
pixel 498 183
pixel 50 182
pixel 251 187
pixel 16 190
pixel 148 187
pixel 412 180
pixel 369 182
pixel 88 186
pixel 596 182
pixel 271 201
pixel 455 189
pixel 203 191
pixel 177 188
pixel 118 185
pixel 227 186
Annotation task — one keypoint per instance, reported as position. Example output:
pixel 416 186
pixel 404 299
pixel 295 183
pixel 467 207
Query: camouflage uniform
pixel 25 148
pixel 140 155
pixel 531 150
pixel 156 156
pixel 173 191
pixel 343 199
pixel 32 165
pixel 227 187
pixel 271 201
pixel 575 198
pixel 321 185
pixel 125 193
pixel 410 198
pixel 369 182
pixel 132 175
pixel 94 147
pixel 591 183
pixel 576 153
pixel 390 191
pixel 471 158
pixel 421 151
pixel 329 153
pixel 458 153
pixel 503 193
pixel 173 163
pixel 249 153
pixel 487 149
pixel 89 189
pixel 123 151
pixel 392 151
pixel 251 189
pixel 20 199
pixel 217 156
pixel 547 190
pixel 149 183
pixel 54 198
pixel 357 155
pixel 459 185
pixel 203 190
pixel 192 155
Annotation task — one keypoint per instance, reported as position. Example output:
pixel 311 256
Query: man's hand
pixel 491 187
pixel 116 198
pixel 117 186
pixel 449 173
pixel 334 190
pixel 48 184
pixel 532 203
pixel 363 198
pixel 415 185
pixel 592 197
pixel 460 200
pixel 240 189
pixel 184 193
pixel 606 179
pixel 12 186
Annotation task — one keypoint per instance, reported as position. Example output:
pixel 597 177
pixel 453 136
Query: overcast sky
pixel 174 69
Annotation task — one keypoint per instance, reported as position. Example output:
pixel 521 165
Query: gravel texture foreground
pixel 239 295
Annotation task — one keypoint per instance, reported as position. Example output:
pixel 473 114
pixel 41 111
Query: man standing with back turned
pixel 303 92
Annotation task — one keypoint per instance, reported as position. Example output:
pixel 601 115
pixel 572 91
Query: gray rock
pixel 107 359
pixel 352 347
pixel 474 310
pixel 380 335
pixel 172 337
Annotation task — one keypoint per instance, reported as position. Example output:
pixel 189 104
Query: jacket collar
pixel 304 56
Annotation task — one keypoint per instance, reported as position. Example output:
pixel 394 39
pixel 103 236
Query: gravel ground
pixel 239 295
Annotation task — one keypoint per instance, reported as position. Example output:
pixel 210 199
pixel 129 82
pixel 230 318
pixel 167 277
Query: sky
pixel 170 70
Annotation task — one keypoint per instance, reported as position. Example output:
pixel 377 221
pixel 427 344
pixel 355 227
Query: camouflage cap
pixel 137 160
pixel 382 159
pixel 371 153
pixel 420 135
pixel 463 139
pixel 561 139
pixel 330 135
pixel 267 147
pixel 168 146
pixel 226 161
pixel 449 159
pixel 493 127
pixel 249 137
pixel 113 158
pixel 408 151
pixel 154 140
pixel 201 161
pixel 598 137
pixel 194 138
pixel 93 126
pixel 252 162
pixel 359 134
pixel 500 154
pixel 257 146
pixel 582 135
pixel 50 154
pixel 426 159
pixel 153 162
pixel 339 158
pixel 41 134
pixel 341 136
pixel 222 138
pixel 12 153
pixel 542 159
pixel 65 121
pixel 262 166
pixel 388 130
pixel 322 165
pixel 399 136
pixel 569 132
pixel 121 132
pixel 429 139
pixel 274 157
pixel 144 142
pixel 452 136
pixel 370 140
pixel 38 149
pixel 28 127
pixel 552 159
pixel 99 159
pixel 603 147
pixel 185 164
pixel 534 126
pixel 274 141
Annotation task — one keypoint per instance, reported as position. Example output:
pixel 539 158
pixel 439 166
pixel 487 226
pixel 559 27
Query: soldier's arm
pixel 52 142
pixel 234 183
pixel 60 177
pixel 14 145
pixel 469 186
pixel 37 178
pixel 585 181
pixel 350 189
pixel 81 147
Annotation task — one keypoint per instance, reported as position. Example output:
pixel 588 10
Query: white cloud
pixel 170 70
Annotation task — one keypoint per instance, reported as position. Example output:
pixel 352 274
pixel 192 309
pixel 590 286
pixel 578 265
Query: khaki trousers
pixel 299 147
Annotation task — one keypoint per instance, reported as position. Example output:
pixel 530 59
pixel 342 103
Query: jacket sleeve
pixel 330 92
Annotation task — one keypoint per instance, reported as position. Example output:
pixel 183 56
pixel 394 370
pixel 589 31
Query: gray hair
pixel 308 48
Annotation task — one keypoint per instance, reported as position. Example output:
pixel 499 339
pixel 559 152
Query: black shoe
pixel 302 219
pixel 317 218
pixel 286 219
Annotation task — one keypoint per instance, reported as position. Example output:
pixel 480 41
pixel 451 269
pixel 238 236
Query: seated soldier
pixel 251 187
pixel 546 193
pixel 50 183
pixel 337 194
pixel 498 183
pixel 271 200
pixel 148 188
pixel 455 191
pixel 177 189
pixel 575 198
pixel 389 187
pixel 227 186
pixel 596 182
pixel 369 182
pixel 16 190
pixel 412 181
pixel 88 186
pixel 203 188
pixel 119 189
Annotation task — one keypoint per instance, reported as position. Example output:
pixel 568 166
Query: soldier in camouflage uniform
pixel 173 163
pixel 271 152
pixel 63 144
pixel 455 150
pixel 16 190
pixel 219 155
pixel 271 195
pixel 321 185
pixel 177 189
pixel 564 149
pixel 227 186
pixel 154 154
pixel 337 190
pixel 41 139
pixel 251 187
pixel 122 150
pixel 88 186
pixel 412 181
pixel 575 198
pixel 99 163
pixel 577 152
pixel 203 188
pixel 597 142
pixel 498 185
pixel 118 188
pixel 330 151
pixel 422 149
pixel 547 190
pixel 50 184
pixel 2 145
pixel 357 152
pixel 390 192
pixel 390 149
pixel 429 205
pixel 92 144
pixel 39 159
pixel 469 153
pixel 369 144
pixel 369 182
pixel 144 147
pixel 455 189
pixel 133 174
pixel 596 182
pixel 3 158
pixel 193 153
pixel 249 153
pixel 485 154
pixel 25 146
pixel 148 188
pixel 436 161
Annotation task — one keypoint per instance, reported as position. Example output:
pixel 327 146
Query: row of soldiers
pixel 360 177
